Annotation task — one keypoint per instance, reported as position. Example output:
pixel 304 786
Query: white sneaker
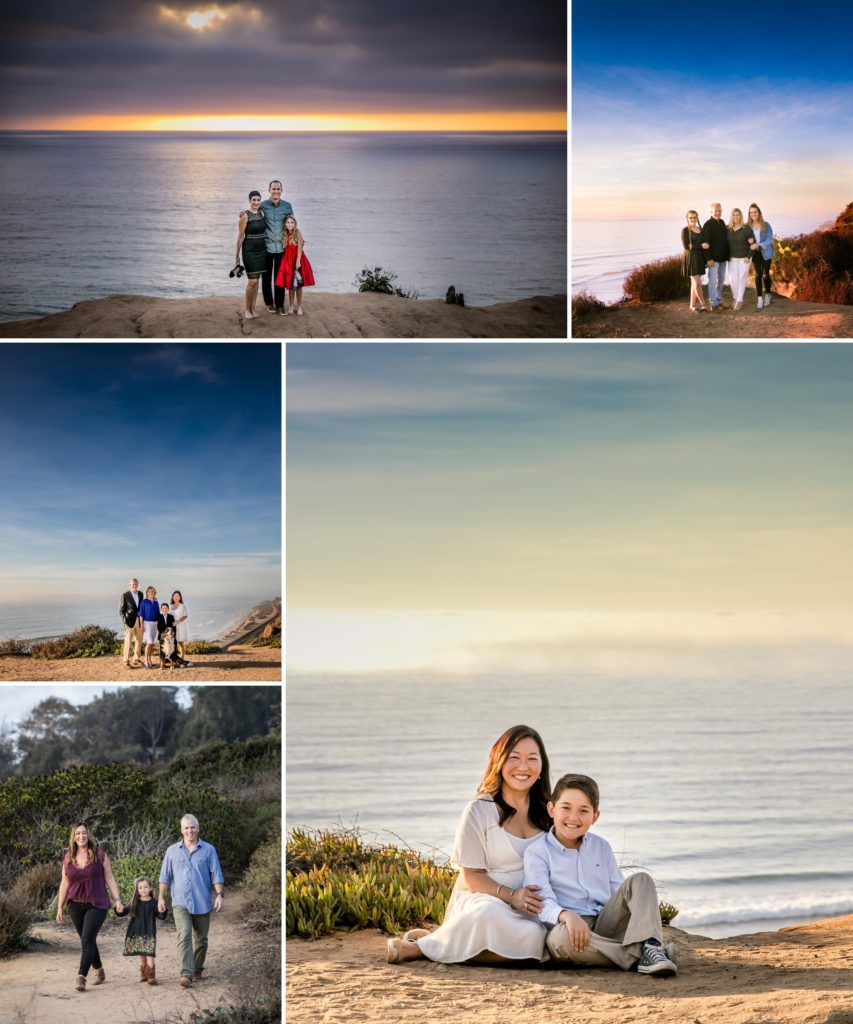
pixel 767 299
pixel 760 303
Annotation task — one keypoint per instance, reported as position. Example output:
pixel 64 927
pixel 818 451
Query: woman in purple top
pixel 86 874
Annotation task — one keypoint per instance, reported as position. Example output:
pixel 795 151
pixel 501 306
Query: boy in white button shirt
pixel 594 916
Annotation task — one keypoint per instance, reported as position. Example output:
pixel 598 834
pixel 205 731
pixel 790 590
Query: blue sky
pixel 121 459
pixel 673 108
pixel 449 501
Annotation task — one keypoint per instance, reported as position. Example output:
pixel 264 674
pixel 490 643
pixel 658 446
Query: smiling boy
pixel 593 916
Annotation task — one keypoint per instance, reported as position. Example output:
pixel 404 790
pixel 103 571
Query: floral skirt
pixel 140 945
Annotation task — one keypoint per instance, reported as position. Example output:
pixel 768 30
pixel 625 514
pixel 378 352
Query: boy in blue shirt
pixel 594 917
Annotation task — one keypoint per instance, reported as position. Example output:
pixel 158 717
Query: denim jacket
pixel 765 240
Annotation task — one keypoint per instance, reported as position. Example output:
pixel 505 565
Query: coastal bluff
pixel 798 975
pixel 783 318
pixel 327 315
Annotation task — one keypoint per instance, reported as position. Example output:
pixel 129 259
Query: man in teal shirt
pixel 191 870
pixel 275 211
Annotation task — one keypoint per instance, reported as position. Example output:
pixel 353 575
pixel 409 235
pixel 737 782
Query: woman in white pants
pixel 740 256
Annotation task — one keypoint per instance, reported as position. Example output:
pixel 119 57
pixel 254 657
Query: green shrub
pixel 262 883
pixel 585 305
pixel 38 885
pixel 658 281
pixel 241 759
pixel 375 280
pixel 201 647
pixel 85 642
pixel 667 912
pixel 265 1011
pixel 14 924
pixel 220 821
pixel 358 886
pixel 127 869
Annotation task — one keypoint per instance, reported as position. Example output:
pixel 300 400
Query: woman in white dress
pixel 491 917
pixel 182 633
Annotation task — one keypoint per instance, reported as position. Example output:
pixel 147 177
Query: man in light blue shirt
pixel 593 916
pixel 191 870
pixel 275 211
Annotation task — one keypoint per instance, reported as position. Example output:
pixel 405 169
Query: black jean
pixel 87 920
pixel 762 270
pixel 268 287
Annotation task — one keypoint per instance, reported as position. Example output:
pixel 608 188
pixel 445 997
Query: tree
pixel 8 753
pixel 231 713
pixel 45 735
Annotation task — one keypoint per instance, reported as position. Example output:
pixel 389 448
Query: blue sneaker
pixel 655 961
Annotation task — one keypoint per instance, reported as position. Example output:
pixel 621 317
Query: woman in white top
pixel 182 633
pixel 491 916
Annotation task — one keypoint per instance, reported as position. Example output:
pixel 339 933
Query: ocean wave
pixel 768 909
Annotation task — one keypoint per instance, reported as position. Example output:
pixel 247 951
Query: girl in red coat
pixel 294 270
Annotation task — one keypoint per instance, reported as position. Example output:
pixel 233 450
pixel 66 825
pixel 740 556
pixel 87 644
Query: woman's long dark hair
pixel 540 791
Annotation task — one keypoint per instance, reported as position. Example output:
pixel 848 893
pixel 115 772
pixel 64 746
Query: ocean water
pixel 92 214
pixel 734 793
pixel 209 617
pixel 605 251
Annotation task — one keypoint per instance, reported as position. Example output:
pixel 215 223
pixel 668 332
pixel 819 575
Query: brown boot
pixel 100 977
pixel 152 979
pixel 81 983
pixel 143 970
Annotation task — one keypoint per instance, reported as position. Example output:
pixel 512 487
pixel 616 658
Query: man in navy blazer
pixel 128 610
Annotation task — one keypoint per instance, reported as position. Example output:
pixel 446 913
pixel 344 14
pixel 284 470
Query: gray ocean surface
pixel 208 617
pixel 90 214
pixel 734 793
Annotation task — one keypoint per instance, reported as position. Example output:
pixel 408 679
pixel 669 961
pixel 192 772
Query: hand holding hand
pixel 577 928
pixel 527 901
pixel 119 906
pixel 161 905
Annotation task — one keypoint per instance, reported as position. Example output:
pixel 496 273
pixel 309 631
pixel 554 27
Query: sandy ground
pixel 239 662
pixel 800 975
pixel 327 315
pixel 783 318
pixel 37 986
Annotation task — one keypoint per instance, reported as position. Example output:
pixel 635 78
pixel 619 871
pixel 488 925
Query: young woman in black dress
pixel 252 248
pixel 693 263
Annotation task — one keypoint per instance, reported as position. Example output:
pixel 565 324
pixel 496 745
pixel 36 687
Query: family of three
pixel 738 246
pixel 190 872
pixel 534 883
pixel 271 248
pixel 149 623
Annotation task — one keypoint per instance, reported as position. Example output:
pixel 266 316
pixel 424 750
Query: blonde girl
pixel 740 239
pixel 694 242
pixel 295 270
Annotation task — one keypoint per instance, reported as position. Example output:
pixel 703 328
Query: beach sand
pixel 37 986
pixel 238 663
pixel 800 975
pixel 327 315
pixel 783 318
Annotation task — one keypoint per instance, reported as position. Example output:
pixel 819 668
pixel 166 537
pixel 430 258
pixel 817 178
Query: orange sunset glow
pixel 420 121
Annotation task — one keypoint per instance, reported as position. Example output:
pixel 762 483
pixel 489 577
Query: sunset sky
pixel 140 64
pixel 461 506
pixel 670 113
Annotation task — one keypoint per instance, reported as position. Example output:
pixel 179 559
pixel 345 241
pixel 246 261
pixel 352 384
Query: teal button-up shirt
pixel 192 876
pixel 275 217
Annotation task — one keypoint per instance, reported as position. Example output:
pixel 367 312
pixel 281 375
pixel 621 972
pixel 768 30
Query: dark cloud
pixel 125 56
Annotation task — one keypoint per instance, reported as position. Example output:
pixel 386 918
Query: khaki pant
pixel 132 633
pixel 191 926
pixel 630 916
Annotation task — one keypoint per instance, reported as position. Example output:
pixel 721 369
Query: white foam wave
pixel 769 908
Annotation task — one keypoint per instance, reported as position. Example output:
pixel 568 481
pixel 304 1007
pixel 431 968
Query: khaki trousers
pixel 617 934
pixel 132 633
pixel 191 926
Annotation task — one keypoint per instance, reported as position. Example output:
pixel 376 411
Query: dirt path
pixel 784 318
pixel 797 976
pixel 37 986
pixel 240 662
pixel 327 315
